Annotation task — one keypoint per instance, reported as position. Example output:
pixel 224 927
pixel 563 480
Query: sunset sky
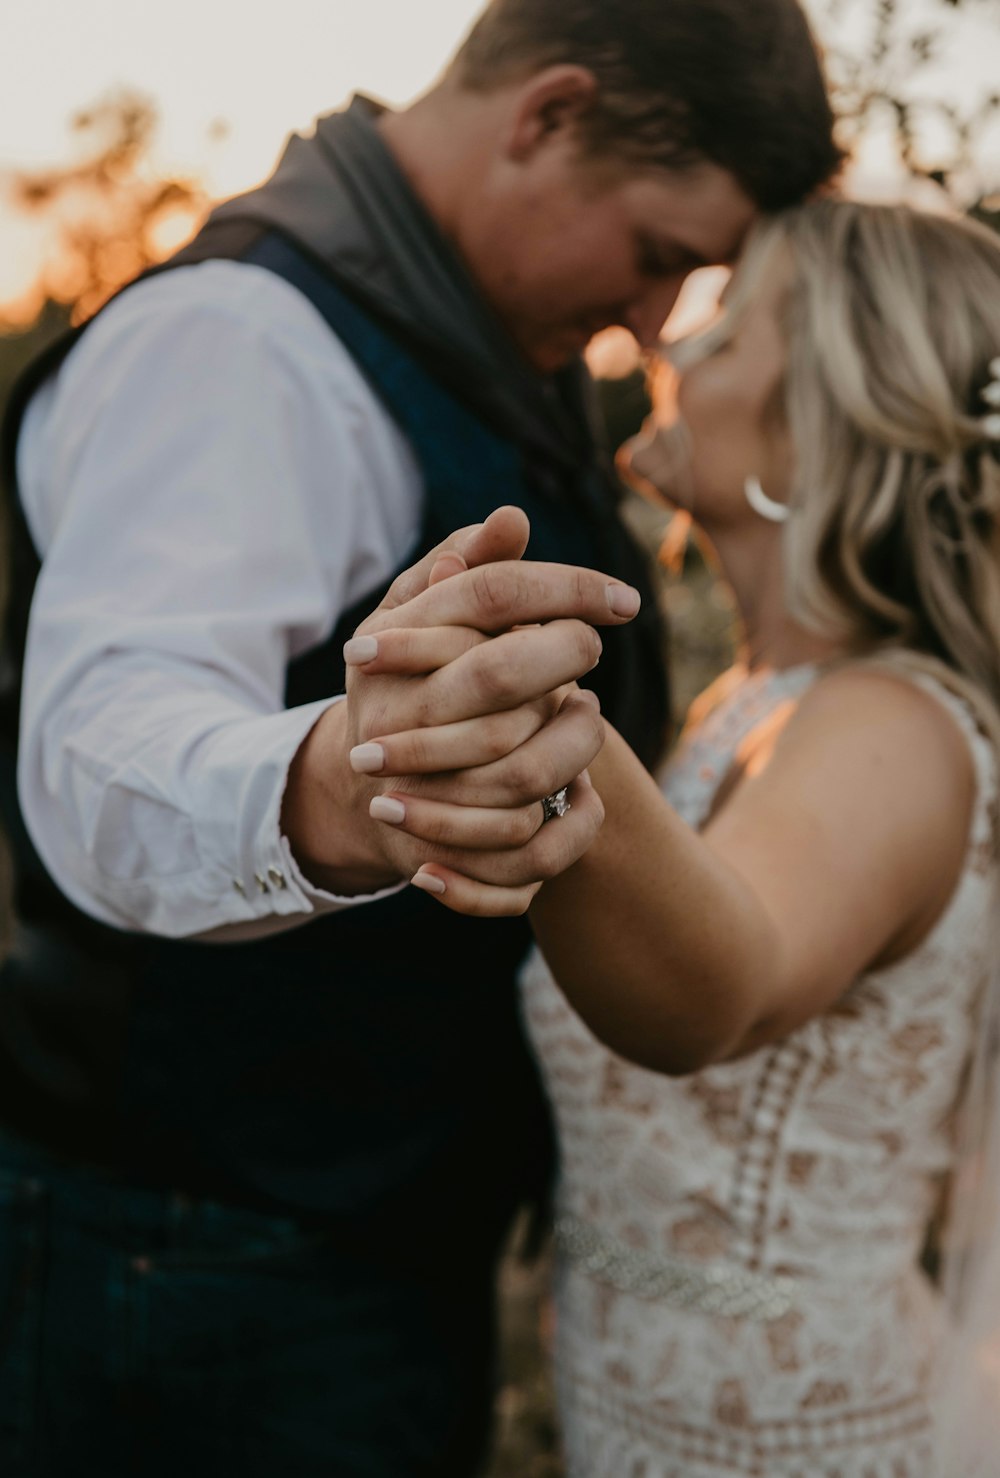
pixel 264 69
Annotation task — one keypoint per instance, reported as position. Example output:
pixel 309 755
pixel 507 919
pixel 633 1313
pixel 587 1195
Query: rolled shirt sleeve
pixel 210 482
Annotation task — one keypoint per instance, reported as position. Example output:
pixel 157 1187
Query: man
pixel 270 1111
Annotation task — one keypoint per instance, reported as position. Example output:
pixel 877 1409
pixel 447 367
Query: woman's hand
pixel 458 682
pixel 493 806
pixel 483 776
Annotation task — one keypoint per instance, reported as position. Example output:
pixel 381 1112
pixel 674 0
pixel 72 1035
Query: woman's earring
pixel 762 504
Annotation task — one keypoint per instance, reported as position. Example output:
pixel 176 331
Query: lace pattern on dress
pixel 627 1438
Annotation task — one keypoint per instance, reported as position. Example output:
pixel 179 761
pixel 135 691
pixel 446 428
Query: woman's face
pixel 729 403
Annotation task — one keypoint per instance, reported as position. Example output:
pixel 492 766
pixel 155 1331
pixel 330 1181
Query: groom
pixel 267 1113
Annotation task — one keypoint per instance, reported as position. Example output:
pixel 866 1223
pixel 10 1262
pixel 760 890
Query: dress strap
pixel 718 724
pixel 985 830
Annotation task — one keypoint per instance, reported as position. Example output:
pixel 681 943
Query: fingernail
pixel 367 759
pixel 360 649
pixel 428 882
pixel 384 808
pixel 623 600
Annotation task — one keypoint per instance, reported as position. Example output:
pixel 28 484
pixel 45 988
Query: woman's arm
pixel 835 854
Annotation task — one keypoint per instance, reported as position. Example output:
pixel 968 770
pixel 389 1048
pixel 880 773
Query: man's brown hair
pixel 737 82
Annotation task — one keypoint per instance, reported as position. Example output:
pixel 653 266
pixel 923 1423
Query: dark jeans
pixel 146 1334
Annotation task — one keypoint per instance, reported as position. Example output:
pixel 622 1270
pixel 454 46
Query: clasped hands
pixel 461 714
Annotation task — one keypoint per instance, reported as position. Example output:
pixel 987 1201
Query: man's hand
pixel 496 705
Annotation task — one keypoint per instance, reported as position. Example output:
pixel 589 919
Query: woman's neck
pixel 771 638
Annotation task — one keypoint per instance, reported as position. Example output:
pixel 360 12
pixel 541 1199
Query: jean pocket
pixel 23 1205
pixel 259 1345
pixel 210 1284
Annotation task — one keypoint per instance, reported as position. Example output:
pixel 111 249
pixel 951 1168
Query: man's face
pixel 570 246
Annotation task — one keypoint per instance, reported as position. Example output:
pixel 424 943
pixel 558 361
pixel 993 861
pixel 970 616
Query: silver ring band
pixel 555 805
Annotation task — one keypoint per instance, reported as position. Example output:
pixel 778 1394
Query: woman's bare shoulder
pixel 888 731
pixel 896 701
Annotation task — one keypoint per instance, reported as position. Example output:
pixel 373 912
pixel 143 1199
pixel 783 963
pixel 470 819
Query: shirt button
pixel 277 877
pixel 239 887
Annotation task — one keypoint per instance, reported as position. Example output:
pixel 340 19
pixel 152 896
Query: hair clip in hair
pixel 990 424
pixel 991 392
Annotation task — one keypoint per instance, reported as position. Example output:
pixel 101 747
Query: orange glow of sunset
pixel 230 79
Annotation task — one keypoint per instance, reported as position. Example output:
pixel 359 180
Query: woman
pixel 775 977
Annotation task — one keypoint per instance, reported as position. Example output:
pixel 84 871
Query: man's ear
pixel 548 102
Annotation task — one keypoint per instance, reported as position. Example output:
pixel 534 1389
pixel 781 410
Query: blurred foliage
pixel 625 402
pixel 115 213
pixel 892 83
pixel 112 213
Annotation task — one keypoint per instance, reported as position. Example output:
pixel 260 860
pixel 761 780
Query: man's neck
pixel 421 139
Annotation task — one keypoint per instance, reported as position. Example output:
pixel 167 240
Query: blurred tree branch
pixel 887 85
pixel 114 213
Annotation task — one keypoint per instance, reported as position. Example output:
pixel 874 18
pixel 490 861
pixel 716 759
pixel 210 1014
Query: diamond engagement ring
pixel 555 804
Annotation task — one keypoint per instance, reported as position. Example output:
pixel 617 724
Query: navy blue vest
pixel 369 1068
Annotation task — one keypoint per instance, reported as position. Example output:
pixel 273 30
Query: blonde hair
pixel 892 318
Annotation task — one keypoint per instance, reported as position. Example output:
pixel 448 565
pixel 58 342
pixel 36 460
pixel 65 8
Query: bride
pixel 765 1011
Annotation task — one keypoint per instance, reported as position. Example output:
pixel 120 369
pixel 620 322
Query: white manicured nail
pixel 367 759
pixel 384 808
pixel 359 650
pixel 428 882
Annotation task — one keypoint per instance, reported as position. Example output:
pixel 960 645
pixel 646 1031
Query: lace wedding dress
pixel 739 1288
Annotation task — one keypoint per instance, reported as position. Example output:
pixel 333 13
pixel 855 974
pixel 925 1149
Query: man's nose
pixel 645 316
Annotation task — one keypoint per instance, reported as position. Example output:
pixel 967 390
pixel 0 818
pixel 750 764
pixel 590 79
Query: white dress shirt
pixel 211 482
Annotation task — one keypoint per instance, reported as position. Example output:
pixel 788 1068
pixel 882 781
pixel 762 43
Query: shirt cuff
pixel 266 883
